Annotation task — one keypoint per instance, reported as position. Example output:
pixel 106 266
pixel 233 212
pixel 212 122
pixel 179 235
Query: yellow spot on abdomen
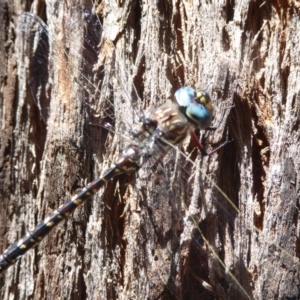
pixel 50 224
pixel 77 201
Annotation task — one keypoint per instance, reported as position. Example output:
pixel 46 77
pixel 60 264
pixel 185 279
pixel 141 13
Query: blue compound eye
pixel 185 95
pixel 199 115
pixel 196 105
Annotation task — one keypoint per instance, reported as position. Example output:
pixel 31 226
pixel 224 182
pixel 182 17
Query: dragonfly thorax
pixel 172 125
pixel 163 126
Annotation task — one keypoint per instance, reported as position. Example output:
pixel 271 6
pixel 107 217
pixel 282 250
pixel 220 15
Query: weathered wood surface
pixel 128 242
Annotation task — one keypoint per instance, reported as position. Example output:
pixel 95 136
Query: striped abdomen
pixel 165 125
pixel 126 162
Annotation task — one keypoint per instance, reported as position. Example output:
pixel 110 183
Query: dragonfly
pixel 147 143
pixel 165 126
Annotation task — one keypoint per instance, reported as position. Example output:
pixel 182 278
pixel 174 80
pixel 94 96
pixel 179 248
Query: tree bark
pixel 173 233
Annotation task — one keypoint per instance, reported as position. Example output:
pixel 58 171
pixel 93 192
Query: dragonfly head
pixel 196 106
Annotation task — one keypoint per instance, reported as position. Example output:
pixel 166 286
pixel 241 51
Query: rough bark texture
pixel 130 241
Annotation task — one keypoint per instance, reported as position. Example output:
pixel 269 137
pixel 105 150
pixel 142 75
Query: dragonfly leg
pixel 202 149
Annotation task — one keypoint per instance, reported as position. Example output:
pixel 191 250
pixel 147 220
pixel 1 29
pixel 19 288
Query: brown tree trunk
pixel 143 237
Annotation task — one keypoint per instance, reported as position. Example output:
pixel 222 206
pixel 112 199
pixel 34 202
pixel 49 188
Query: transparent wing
pixel 167 193
pixel 185 220
pixel 36 59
